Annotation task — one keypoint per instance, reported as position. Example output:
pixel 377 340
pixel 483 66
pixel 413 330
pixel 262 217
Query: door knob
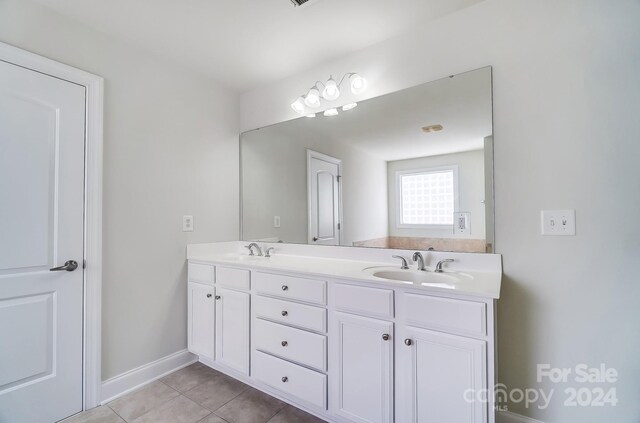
pixel 284 378
pixel 285 287
pixel 385 337
pixel 284 313
pixel 69 266
pixel 284 343
pixel 218 297
pixel 408 342
pixel 208 295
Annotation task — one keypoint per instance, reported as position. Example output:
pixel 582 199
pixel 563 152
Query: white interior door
pixel 42 122
pixel 324 198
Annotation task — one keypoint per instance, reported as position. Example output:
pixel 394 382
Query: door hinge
pixel 84 264
pixel 339 178
pixel 339 226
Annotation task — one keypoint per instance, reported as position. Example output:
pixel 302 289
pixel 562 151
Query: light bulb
pixel 331 112
pixel 331 91
pixel 349 106
pixel 313 98
pixel 298 105
pixel 358 83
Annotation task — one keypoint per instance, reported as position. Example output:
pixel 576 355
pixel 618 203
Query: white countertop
pixel 457 278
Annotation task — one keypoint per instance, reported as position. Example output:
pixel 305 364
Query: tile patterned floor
pixel 195 394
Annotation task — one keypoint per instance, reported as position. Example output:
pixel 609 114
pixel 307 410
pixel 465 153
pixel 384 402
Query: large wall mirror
pixel 412 170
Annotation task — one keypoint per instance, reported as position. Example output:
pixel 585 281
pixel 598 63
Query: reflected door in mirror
pixel 324 199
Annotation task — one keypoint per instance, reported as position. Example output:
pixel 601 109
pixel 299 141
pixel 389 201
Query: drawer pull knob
pixel 284 343
pixel 218 297
pixel 285 287
pixel 385 337
pixel 408 342
pixel 285 379
pixel 284 313
pixel 208 295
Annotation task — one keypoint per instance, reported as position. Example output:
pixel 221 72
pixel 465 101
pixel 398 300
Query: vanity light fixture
pixel 349 106
pixel 331 112
pixel 329 91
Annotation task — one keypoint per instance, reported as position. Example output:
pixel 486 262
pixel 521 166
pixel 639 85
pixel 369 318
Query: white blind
pixel 427 198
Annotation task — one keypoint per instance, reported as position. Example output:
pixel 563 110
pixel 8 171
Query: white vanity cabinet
pixel 218 315
pixel 362 384
pixel 436 373
pixel 201 306
pixel 348 351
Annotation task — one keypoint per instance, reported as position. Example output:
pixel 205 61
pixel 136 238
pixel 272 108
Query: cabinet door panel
pixel 201 305
pixel 435 372
pixel 232 329
pixel 363 382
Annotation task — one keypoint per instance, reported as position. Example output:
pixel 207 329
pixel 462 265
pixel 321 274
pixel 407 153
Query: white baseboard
pixel 509 417
pixel 135 378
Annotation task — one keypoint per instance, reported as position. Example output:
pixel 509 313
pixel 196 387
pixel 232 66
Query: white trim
pixel 140 376
pixel 509 417
pixel 93 206
pixel 320 156
pixel 419 171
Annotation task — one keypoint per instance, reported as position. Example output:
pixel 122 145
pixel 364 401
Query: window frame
pixel 421 171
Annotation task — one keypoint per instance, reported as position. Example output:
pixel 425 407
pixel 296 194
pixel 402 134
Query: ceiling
pixel 389 126
pixel 247 43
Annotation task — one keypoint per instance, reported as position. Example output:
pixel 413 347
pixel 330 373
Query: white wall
pixel 566 133
pixel 170 149
pixel 470 192
pixel 274 167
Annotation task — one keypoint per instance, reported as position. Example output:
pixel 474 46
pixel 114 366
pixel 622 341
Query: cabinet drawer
pixel 298 381
pixel 464 317
pixel 294 344
pixel 201 273
pixel 291 287
pixel 304 316
pixel 232 278
pixel 364 300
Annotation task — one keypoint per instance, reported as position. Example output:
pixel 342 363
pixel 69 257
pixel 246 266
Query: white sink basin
pixel 426 278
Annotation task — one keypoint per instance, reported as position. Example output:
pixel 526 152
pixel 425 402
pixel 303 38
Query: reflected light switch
pixel 276 221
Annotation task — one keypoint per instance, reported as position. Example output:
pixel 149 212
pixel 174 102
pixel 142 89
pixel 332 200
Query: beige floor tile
pixel 139 402
pixel 96 415
pixel 291 414
pixel 189 377
pixel 252 406
pixel 216 392
pixel 178 410
pixel 212 418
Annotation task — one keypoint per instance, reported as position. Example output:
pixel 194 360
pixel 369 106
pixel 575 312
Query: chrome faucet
pixel 267 252
pixel 439 265
pixel 250 248
pixel 417 257
pixel 404 265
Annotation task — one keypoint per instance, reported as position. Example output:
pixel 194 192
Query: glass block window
pixel 427 197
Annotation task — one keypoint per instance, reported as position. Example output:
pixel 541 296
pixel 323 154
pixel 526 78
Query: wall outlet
pixel 462 223
pixel 187 223
pixel 558 222
pixel 276 221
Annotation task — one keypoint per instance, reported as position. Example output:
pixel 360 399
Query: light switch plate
pixel 462 223
pixel 187 223
pixel 558 222
pixel 276 221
